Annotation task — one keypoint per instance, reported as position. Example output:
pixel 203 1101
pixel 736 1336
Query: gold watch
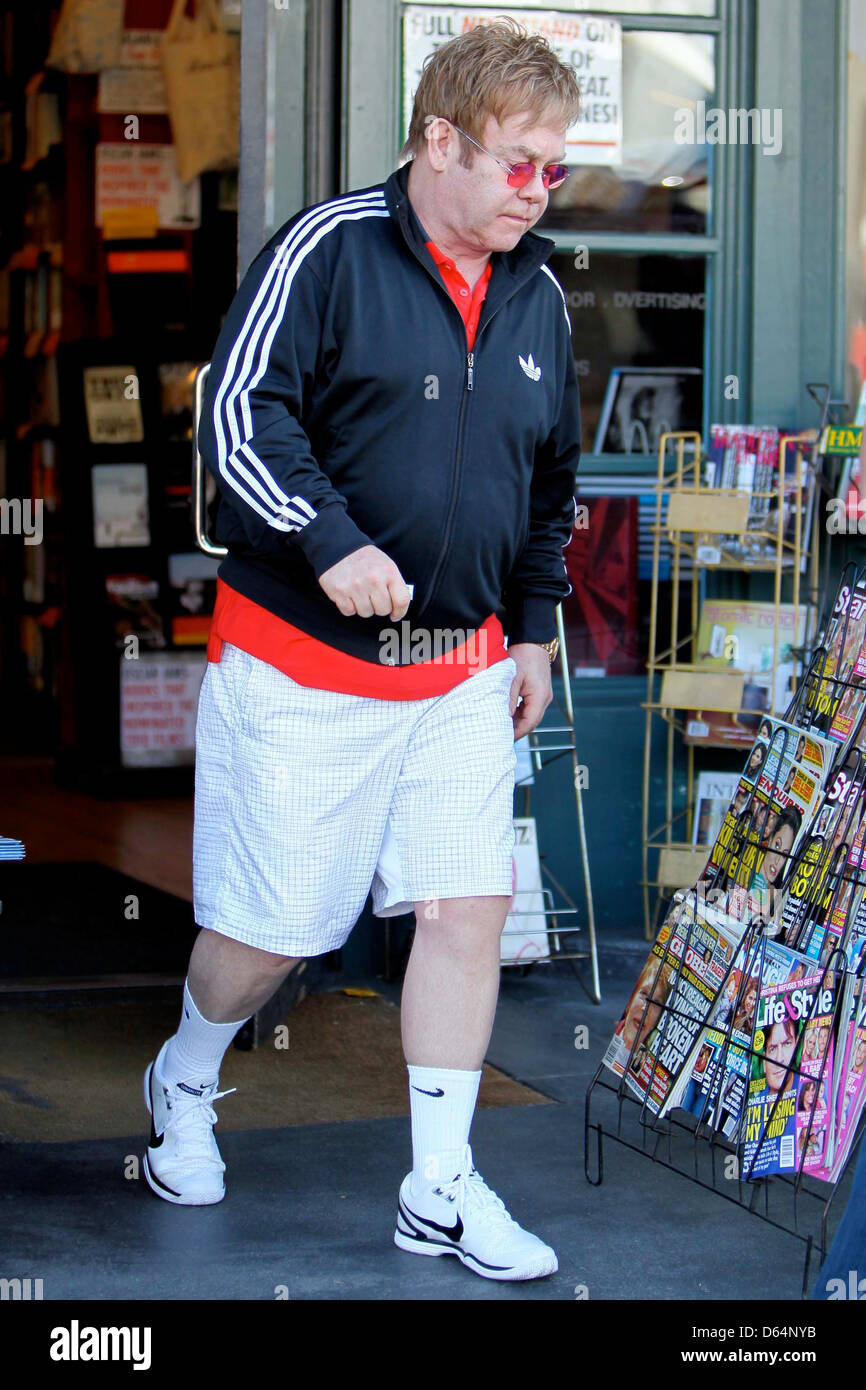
pixel 551 647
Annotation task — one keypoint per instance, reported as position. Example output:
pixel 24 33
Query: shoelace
pixel 189 1115
pixel 473 1195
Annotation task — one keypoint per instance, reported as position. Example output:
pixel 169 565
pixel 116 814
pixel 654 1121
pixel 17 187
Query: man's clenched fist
pixel 367 582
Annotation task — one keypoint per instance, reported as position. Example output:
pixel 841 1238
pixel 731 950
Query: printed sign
pixel 140 176
pixel 135 86
pixel 841 439
pixel 158 704
pixel 524 936
pixel 591 44
pixel 112 405
pixel 120 510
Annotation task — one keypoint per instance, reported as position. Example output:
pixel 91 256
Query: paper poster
pixel 524 935
pixel 591 44
pixel 120 511
pixel 111 400
pixel 129 175
pixel 135 86
pixel 158 704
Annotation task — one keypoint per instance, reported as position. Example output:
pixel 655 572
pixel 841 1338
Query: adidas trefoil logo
pixel 533 372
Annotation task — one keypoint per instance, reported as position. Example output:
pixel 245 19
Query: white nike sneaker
pixel 465 1218
pixel 182 1163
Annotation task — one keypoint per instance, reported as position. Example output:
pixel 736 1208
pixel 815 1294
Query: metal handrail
pixel 199 474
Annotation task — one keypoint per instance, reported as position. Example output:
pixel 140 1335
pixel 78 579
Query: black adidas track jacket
pixel 342 409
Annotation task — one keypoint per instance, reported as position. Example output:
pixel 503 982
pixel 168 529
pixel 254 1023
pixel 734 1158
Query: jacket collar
pixel 509 269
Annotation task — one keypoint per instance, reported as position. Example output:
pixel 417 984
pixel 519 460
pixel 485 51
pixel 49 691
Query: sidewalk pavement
pixel 309 1211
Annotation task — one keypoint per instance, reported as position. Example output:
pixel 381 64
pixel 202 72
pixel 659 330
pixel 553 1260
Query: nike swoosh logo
pixel 437 1092
pixel 452 1232
pixel 155 1139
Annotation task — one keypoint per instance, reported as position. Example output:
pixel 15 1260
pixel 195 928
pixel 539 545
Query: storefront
pixel 709 243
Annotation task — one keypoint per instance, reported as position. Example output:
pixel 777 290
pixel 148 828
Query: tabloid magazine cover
pixel 751 859
pixel 681 980
pixel 835 686
pixel 713 1083
pixel 823 907
pixel 851 1087
pixel 785 1006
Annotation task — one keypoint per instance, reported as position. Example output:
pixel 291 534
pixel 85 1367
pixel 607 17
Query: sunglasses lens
pixel 520 175
pixel 554 175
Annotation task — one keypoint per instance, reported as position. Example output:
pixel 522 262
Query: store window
pixel 661 181
pixel 638 338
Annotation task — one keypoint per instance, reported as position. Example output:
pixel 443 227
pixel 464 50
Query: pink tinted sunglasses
pixel 519 175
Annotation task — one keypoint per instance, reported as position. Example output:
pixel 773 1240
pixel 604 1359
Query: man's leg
pixel 448 1005
pixel 227 981
pixel 230 980
pixel 449 1000
pixel 452 982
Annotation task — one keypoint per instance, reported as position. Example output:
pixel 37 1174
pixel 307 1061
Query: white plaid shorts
pixel 305 800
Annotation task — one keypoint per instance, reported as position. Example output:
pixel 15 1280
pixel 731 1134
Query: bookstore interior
pixel 716 627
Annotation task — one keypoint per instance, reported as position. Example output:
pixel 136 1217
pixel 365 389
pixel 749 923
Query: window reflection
pixel 661 185
pixel 638 340
pixel 699 8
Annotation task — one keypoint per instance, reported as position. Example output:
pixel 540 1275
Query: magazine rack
pixel 710 529
pixel 797 1204
pixel 547 744
pixel 823 919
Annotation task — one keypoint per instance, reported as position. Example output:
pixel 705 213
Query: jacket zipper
pixel 455 485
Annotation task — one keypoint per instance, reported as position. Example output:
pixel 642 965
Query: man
pixel 392 417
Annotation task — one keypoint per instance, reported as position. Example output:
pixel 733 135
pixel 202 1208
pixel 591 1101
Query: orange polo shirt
pixel 310 662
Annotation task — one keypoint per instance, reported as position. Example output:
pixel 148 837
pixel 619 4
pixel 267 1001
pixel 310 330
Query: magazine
pixel 785 1007
pixel 770 813
pixel 834 691
pixel 746 458
pixel 742 637
pixel 715 792
pixel 675 992
pixel 814 1125
pixel 851 1087
pixel 713 1085
pixel 825 887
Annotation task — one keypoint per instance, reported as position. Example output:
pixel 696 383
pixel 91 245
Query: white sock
pixel 195 1052
pixel 443 1103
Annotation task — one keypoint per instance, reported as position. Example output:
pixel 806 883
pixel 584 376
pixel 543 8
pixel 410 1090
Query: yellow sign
pixel 843 439
pixel 118 223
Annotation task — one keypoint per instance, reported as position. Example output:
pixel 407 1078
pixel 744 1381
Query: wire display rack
pixel 821 923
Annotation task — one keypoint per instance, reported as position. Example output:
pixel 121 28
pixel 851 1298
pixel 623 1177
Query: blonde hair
pixel 496 69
